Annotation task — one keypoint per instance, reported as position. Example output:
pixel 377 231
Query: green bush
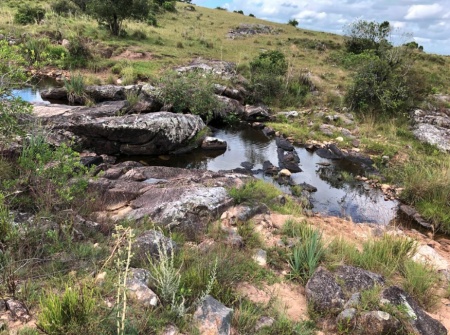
pixel 169 6
pixel 70 313
pixel 64 7
pixel 54 179
pixel 5 219
pixel 192 92
pixel 388 84
pixel 34 50
pixel 29 15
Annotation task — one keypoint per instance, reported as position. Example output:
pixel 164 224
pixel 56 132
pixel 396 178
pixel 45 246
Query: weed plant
pixel 420 281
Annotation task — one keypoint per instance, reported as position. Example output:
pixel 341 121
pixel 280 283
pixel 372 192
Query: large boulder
pixel 355 279
pixel 106 131
pixel 151 243
pixel 418 321
pixel 324 293
pixel 213 318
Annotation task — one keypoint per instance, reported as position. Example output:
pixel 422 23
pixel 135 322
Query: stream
pixel 338 194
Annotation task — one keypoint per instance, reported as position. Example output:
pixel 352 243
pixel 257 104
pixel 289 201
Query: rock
pixel 289 160
pixel 2 305
pixel 234 240
pixel 245 29
pixel 340 139
pixel 270 169
pixel 432 127
pixel 244 213
pixel 268 131
pixel 354 301
pixel 356 279
pixel 18 310
pixel 138 290
pixel 284 144
pixel 378 323
pixel 89 161
pixel 172 197
pixel 328 129
pixel 264 322
pixel 346 319
pixel 213 317
pixel 171 329
pixel 235 94
pixel 256 113
pixel 307 187
pixel 150 244
pixel 290 114
pixel 224 69
pixel 229 107
pixel 418 321
pixel 324 293
pixel 429 256
pixel 213 143
pixel 285 173
pixel 65 43
pixel 101 93
pixel 3 326
pixel 247 165
pixel 260 257
pixel 409 214
pixel 145 134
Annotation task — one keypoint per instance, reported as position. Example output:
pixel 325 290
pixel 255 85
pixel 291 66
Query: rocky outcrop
pixel 105 131
pixel 221 68
pixel 418 322
pixel 339 293
pixel 171 197
pixel 245 29
pixel 432 127
pixel 213 318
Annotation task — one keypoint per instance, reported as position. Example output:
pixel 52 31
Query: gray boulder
pixel 18 310
pixel 150 244
pixel 256 113
pixel 213 318
pixel 324 293
pixel 229 106
pixel 355 279
pixel 418 322
pixel 346 320
pixel 138 290
pixel 378 323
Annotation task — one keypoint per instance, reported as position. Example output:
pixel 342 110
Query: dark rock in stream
pixel 270 169
pixel 247 165
pixel 289 160
pixel 307 187
pixel 256 113
pixel 284 144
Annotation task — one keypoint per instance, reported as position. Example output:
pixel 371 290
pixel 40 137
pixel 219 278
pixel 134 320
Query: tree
pixel 113 12
pixel 364 35
pixel 293 22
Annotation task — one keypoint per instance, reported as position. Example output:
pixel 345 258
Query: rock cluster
pixel 433 127
pixel 339 294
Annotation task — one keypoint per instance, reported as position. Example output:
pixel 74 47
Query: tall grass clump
pixel 71 313
pixel 307 253
pixel 419 281
pixel 75 89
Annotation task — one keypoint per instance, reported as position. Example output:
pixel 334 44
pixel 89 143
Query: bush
pixel 192 92
pixel 29 15
pixel 293 22
pixel 169 6
pixel 389 84
pixel 64 7
pixel 367 35
pixel 5 219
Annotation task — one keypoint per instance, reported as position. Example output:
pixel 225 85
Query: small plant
pixel 5 219
pixel 132 98
pixel 70 313
pixel 75 89
pixel 293 22
pixel 307 254
pixel 128 75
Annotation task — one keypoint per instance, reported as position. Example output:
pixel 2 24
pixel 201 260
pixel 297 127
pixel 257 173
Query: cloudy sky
pixel 427 21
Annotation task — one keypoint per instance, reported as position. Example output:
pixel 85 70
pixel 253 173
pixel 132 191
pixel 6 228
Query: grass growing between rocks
pixel 259 191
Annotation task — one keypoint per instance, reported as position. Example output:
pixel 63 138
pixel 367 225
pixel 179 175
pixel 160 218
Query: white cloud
pixel 420 12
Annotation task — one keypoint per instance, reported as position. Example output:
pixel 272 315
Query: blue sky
pixel 426 22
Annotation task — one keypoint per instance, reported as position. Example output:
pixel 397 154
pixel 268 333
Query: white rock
pixel 427 255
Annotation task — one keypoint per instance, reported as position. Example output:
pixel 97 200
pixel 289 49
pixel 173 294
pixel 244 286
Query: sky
pixel 426 22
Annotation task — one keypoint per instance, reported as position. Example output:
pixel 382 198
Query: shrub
pixel 54 178
pixel 364 35
pixel 34 49
pixel 29 15
pixel 191 92
pixel 70 313
pixel 151 20
pixel 169 6
pixel 293 22
pixel 75 89
pixel 5 219
pixel 64 7
pixel 388 84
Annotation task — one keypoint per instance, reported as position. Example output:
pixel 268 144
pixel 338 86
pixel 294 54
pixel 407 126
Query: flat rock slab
pixel 173 197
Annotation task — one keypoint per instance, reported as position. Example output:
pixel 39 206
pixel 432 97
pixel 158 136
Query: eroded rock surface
pixel 432 127
pixel 213 317
pixel 171 197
